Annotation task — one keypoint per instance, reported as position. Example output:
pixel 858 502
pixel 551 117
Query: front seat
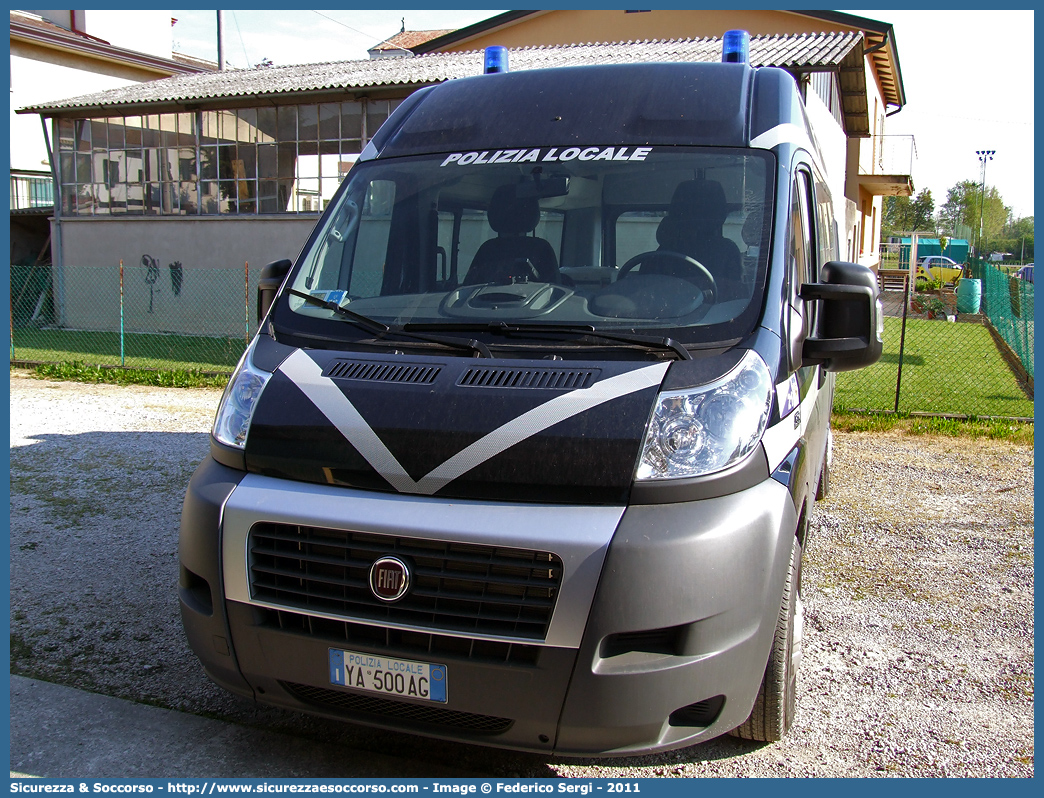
pixel 692 227
pixel 513 253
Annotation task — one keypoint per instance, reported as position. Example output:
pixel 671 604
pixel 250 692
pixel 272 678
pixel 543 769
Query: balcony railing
pixel 31 190
pixel 888 155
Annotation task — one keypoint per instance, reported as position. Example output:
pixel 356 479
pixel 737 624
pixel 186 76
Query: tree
pixel 964 205
pixel 903 215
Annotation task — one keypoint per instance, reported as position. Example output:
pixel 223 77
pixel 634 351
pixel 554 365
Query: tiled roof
pixel 408 39
pixel 797 52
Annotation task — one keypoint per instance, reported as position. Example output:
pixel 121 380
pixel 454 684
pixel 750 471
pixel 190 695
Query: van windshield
pixel 663 240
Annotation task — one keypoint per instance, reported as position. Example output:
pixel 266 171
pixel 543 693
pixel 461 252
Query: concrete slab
pixel 61 732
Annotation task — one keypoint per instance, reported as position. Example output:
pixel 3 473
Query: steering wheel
pixel 704 279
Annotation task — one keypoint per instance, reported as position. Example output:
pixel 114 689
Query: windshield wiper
pixel 582 330
pixel 380 329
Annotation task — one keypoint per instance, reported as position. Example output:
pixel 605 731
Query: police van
pixel 524 451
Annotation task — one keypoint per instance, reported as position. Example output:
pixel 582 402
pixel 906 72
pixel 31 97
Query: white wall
pixel 36 82
pixel 211 250
pixel 142 31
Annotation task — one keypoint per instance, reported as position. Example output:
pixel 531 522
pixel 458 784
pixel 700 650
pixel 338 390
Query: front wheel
pixel 773 711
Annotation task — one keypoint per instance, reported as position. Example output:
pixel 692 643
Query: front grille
pixel 359 704
pixel 536 378
pixel 458 587
pixel 402 642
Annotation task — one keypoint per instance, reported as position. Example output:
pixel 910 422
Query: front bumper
pixel 659 638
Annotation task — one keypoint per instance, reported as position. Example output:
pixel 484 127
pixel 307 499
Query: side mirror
pixel 272 277
pixel 850 329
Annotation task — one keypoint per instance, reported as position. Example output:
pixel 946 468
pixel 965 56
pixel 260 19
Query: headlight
pixel 698 431
pixel 238 402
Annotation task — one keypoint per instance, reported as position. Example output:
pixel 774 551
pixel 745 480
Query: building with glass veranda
pixel 244 161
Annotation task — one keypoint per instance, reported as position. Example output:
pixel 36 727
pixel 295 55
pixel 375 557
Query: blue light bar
pixel 735 47
pixel 496 59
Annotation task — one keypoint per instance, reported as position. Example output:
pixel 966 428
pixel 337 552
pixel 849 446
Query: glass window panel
pixel 117 139
pixel 151 165
pixel 101 198
pixel 227 155
pixel 65 135
pixel 248 161
pixel 116 168
pixel 187 199
pixel 287 160
pixel 376 113
pixel 151 136
pixel 208 166
pixel 227 126
pixel 66 167
pixel 228 190
pixel 69 200
pixel 84 173
pixel 209 132
pixel 132 126
pixel 187 129
pixel 135 166
pixel 266 124
pixel 268 197
pixel 351 146
pixel 85 200
pixel 267 161
pixel 135 198
pixel 351 120
pixel 307 123
pixel 82 134
pixel 307 191
pixel 287 127
pixel 101 166
pixel 209 196
pixel 247 125
pixel 99 134
pixel 286 191
pixel 186 164
pixel 330 121
pixel 169 127
pixel 153 198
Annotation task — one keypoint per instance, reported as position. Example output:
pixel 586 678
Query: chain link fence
pixel 142 315
pixel 941 356
pixel 962 349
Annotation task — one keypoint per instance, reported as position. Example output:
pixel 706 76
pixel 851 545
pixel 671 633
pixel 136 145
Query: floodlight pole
pixel 984 155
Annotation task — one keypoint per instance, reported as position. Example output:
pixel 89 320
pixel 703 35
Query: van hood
pixel 496 429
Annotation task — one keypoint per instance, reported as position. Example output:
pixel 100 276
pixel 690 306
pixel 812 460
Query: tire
pixel 823 487
pixel 773 711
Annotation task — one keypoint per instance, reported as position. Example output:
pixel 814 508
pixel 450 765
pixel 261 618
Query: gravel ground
pixel 919 597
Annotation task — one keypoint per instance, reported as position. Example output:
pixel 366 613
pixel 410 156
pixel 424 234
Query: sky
pixel 968 77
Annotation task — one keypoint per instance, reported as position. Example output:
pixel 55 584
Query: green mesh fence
pixel 936 360
pixel 1007 301
pixel 941 356
pixel 145 315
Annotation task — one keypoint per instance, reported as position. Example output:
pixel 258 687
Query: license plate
pixel 394 677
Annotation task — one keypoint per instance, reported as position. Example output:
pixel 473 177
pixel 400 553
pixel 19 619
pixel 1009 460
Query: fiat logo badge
pixel 389 579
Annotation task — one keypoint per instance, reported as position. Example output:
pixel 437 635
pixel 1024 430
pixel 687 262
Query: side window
pixel 371 245
pixel 802 248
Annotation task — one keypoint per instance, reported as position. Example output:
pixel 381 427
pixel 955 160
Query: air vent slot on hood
pixel 538 378
pixel 382 372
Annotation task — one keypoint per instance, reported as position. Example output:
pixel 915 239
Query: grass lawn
pixel 947 368
pixel 187 352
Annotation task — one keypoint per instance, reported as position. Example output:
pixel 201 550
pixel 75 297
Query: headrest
pixel 509 215
pixel 751 232
pixel 697 207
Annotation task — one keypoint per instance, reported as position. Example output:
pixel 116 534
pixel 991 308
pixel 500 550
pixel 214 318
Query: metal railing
pixel 31 190
pixel 888 155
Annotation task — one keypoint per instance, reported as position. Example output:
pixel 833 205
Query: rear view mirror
pixel 850 328
pixel 551 186
pixel 272 277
